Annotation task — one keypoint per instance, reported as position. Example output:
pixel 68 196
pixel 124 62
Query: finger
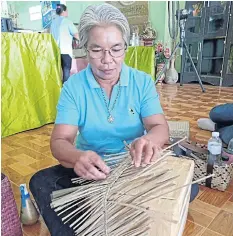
pixel 98 162
pixel 87 175
pixel 132 154
pixel 79 169
pixel 83 172
pixel 156 154
pixel 139 144
pixel 95 172
pixel 148 153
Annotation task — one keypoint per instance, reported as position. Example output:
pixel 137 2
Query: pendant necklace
pixel 110 118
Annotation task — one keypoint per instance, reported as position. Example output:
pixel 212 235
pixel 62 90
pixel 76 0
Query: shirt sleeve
pixel 72 29
pixel 67 109
pixel 150 104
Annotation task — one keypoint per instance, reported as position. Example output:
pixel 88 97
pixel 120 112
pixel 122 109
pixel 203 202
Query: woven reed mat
pixel 131 201
pixel 179 129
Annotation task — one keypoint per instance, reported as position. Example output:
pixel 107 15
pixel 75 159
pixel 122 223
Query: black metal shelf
pixel 212 58
pixel 210 42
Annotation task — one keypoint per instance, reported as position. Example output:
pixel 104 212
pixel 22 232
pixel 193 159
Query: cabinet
pixel 209 38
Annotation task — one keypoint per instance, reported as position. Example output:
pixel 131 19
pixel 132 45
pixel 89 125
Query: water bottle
pixel 214 149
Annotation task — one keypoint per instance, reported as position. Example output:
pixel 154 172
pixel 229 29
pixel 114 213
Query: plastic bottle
pixel 28 214
pixel 215 149
pixel 137 39
pixel 132 40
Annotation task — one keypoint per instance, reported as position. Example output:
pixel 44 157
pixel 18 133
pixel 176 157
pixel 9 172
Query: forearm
pixel 158 134
pixel 65 152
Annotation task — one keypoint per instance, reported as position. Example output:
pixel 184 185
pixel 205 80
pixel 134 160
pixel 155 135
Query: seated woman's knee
pixel 36 179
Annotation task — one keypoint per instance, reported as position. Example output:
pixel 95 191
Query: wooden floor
pixel 211 214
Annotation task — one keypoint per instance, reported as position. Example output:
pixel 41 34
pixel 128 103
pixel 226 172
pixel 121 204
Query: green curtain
pixel 141 58
pixel 31 81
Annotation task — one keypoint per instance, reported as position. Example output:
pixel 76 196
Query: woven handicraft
pixel 10 223
pixel 151 200
pixel 222 174
pixel 178 129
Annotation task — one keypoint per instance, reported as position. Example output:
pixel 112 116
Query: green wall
pixel 157 15
pixel 157 10
pixel 75 9
pixel 24 17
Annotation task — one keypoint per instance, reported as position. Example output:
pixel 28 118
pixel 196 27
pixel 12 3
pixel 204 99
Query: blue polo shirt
pixel 82 104
pixel 63 31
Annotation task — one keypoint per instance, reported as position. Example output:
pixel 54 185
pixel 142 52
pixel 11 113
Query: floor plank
pixel 223 223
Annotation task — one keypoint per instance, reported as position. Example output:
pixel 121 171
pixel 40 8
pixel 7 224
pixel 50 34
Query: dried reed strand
pixel 115 206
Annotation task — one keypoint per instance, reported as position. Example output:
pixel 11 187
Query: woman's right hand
pixel 90 166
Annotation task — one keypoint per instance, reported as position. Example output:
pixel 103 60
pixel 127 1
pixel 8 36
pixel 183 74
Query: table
pixel 31 81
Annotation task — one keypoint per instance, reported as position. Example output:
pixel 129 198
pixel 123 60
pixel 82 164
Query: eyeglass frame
pixel 109 51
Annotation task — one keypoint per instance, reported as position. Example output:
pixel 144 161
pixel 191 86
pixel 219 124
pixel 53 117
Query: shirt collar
pixel 124 76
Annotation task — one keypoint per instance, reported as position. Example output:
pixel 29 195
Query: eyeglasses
pixel 99 53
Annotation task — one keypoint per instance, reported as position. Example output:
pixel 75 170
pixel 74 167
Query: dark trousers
pixel 42 184
pixel 66 62
pixel 222 115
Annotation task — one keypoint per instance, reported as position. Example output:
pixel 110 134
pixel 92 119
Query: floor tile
pixel 223 223
pixel 16 152
pixel 38 165
pixel 209 232
pixel 38 229
pixel 22 169
pixel 36 147
pixel 41 143
pixel 199 218
pixel 214 197
pixel 12 144
pixel 6 148
pixel 24 159
pixel 5 162
pixel 15 177
pixel 201 190
pixel 204 208
pixel 230 187
pixel 192 229
pixel 228 206
pixel 231 199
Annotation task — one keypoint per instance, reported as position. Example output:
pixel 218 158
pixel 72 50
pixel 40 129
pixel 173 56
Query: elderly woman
pixel 108 103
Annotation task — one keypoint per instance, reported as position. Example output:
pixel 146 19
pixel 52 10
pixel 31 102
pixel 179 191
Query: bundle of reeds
pixel 120 204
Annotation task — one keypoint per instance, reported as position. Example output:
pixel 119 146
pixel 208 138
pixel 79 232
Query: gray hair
pixel 97 15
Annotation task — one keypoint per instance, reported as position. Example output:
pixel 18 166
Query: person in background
pixel 221 120
pixel 63 31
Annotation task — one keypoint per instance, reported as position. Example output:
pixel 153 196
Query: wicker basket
pixel 222 174
pixel 10 219
pixel 178 129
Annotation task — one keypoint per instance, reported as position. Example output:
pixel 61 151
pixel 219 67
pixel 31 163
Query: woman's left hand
pixel 144 151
